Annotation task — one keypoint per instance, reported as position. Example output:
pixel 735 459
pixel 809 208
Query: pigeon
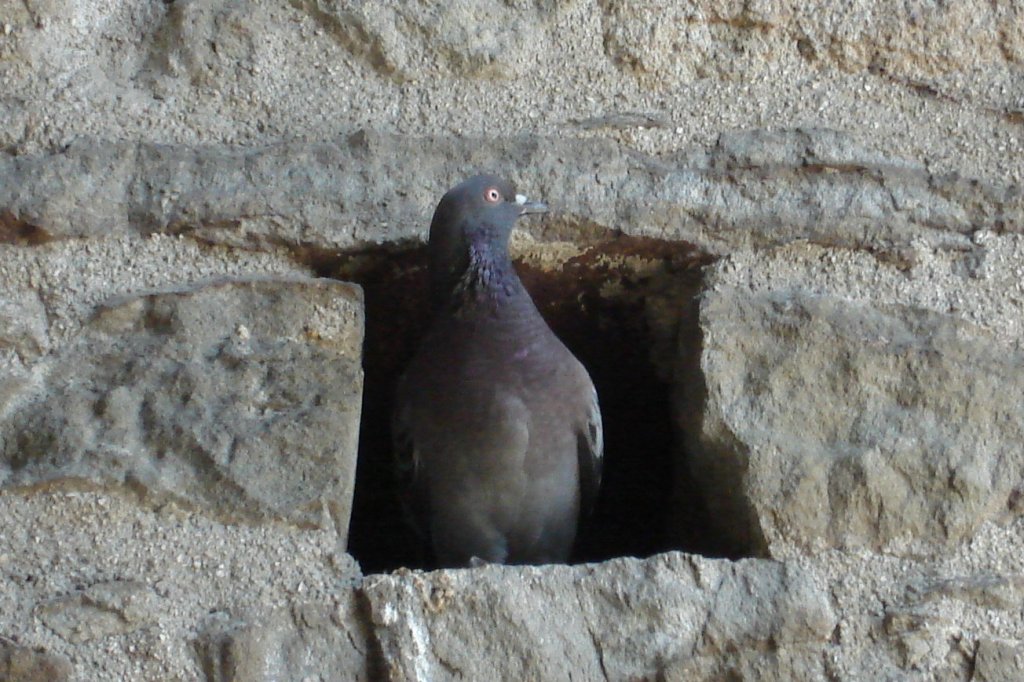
pixel 497 430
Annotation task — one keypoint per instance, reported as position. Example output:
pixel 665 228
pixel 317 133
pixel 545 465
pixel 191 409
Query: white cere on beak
pixel 520 199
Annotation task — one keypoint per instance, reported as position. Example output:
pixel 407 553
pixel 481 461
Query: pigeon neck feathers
pixel 489 274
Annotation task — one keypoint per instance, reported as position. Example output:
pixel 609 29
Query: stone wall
pixel 787 237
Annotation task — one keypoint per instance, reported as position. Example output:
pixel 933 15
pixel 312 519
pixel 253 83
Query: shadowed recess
pixel 623 306
pixel 14 230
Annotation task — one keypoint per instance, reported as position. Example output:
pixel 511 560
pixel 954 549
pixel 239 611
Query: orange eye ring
pixel 492 195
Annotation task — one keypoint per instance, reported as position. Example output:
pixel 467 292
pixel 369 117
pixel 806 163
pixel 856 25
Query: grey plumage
pixel 497 429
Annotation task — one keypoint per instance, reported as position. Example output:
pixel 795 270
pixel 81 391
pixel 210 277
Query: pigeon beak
pixel 526 206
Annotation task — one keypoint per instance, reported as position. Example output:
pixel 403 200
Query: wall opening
pixel 624 305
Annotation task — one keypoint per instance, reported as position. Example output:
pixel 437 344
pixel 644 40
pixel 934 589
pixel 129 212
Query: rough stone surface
pixel 140 593
pixel 752 188
pixel 918 45
pixel 101 610
pixel 835 615
pixel 276 602
pixel 410 42
pixel 855 167
pixel 240 396
pixel 31 665
pixel 932 82
pixel 999 659
pixel 890 422
pixel 299 642
pixel 624 619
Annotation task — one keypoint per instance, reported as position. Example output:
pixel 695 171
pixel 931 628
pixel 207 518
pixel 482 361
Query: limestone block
pixel 749 189
pixel 239 396
pixel 623 619
pixel 842 402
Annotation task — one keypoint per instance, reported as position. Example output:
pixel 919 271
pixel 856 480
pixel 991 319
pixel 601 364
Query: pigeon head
pixel 471 227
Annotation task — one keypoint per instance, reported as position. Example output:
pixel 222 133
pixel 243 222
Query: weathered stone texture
pixel 100 611
pixel 134 593
pixel 999 660
pixel 242 397
pixel 750 189
pixel 624 619
pixel 487 39
pixel 921 44
pixel 304 641
pixel 823 420
pixel 857 426
pixel 31 665
pixel 180 396
pixel 170 593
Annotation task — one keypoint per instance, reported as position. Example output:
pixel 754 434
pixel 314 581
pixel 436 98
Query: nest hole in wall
pixel 626 307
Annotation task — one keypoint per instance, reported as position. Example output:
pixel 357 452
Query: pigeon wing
pixel 408 477
pixel 590 452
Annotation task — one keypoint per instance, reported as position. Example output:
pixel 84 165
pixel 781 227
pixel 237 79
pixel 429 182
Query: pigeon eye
pixel 492 195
